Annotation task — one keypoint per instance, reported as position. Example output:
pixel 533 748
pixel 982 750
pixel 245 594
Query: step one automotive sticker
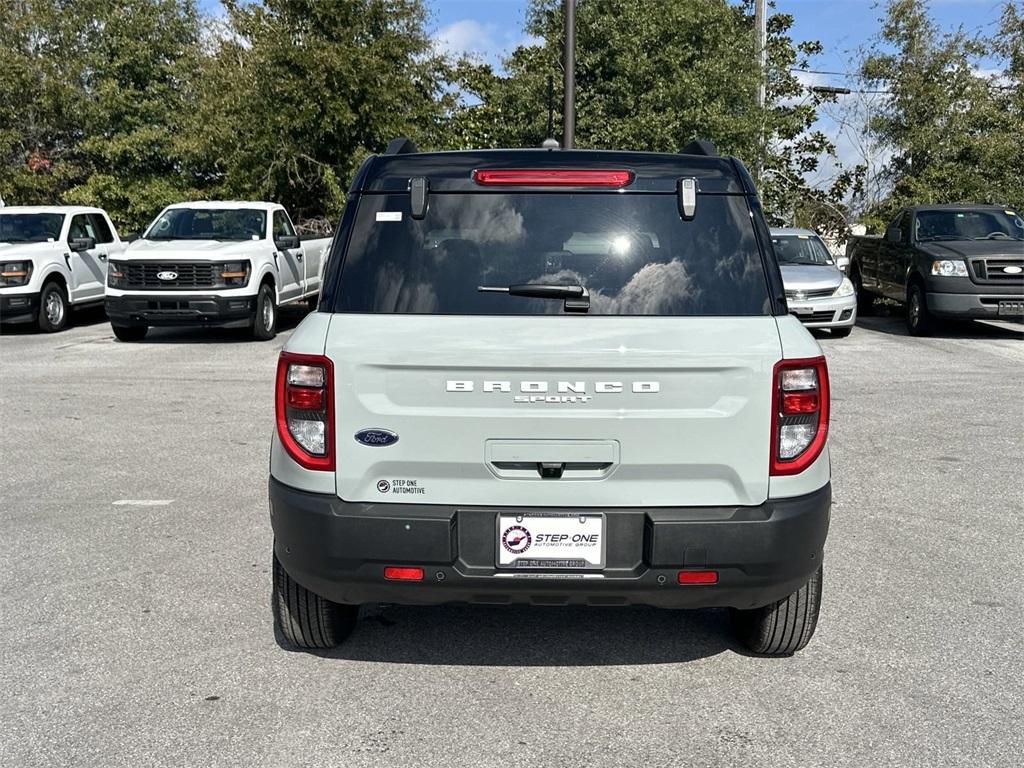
pixel 389 215
pixel 401 487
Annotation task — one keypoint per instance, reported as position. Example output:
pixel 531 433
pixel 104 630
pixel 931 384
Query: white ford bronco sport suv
pixel 551 377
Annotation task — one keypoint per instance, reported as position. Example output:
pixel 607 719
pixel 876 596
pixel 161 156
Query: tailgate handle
pixel 552 470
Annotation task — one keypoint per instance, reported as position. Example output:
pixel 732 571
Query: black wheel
pixel 842 333
pixel 784 627
pixel 920 322
pixel 53 307
pixel 305 619
pixel 264 323
pixel 865 301
pixel 130 332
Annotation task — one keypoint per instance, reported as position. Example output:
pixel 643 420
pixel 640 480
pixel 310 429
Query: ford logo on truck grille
pixel 167 275
pixel 376 437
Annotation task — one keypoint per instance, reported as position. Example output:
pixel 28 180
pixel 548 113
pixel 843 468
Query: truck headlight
pixel 232 274
pixel 14 273
pixel 948 268
pixel 117 274
pixel 845 288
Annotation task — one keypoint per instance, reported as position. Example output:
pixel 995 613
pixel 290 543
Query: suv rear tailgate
pixel 484 406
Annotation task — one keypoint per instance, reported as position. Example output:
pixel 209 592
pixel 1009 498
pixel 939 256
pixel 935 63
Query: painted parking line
pixel 143 502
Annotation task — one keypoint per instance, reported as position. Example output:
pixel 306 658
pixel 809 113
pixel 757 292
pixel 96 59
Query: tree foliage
pixel 652 76
pixel 955 131
pixel 137 103
pixel 92 96
pixel 298 92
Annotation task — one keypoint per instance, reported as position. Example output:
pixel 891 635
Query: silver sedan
pixel 816 291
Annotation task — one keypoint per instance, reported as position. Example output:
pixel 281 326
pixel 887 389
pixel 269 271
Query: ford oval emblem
pixel 167 275
pixel 376 437
pixel 1013 270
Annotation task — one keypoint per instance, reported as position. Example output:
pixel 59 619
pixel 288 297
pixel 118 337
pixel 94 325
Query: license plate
pixel 550 540
pixel 1011 308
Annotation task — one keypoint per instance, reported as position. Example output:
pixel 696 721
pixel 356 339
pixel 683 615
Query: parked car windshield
pixel 209 224
pixel 30 227
pixel 633 254
pixel 800 249
pixel 983 224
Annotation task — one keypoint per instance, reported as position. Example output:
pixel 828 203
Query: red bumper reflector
pixel 799 402
pixel 553 177
pixel 698 577
pixel 396 573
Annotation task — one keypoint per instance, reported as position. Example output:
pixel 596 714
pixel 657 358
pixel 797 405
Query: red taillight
pixel 305 398
pixel 553 177
pixel 799 402
pixel 304 401
pixel 396 573
pixel 698 577
pixel 800 410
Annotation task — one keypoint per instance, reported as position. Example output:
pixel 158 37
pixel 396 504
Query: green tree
pixel 139 59
pixel 299 92
pixel 38 99
pixel 92 96
pixel 652 76
pixel 955 134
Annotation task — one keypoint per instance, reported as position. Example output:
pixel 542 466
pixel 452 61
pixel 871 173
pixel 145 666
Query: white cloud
pixel 484 41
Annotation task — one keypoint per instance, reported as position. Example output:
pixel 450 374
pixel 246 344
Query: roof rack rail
pixel 400 146
pixel 700 147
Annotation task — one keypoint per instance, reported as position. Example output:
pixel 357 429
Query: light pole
pixel 569 105
pixel 761 26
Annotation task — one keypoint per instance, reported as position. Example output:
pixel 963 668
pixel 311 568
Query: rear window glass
pixel 632 252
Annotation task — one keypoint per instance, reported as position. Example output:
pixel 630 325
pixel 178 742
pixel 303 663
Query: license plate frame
pixel 577 557
pixel 1010 309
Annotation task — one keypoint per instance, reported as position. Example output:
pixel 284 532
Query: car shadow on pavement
pixel 893 324
pixel 80 318
pixel 287 319
pixel 479 635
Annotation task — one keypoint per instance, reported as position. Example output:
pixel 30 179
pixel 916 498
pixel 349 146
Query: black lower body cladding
pixel 339 550
pixel 170 310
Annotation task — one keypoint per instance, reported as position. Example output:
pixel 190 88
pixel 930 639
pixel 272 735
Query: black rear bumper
pixel 339 550
pixel 157 309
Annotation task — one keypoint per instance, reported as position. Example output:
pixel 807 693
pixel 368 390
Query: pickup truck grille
pixel 818 293
pixel 143 275
pixel 992 270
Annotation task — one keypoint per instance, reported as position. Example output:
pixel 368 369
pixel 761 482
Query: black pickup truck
pixel 943 261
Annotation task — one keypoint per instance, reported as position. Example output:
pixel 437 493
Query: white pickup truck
pixel 53 258
pixel 227 264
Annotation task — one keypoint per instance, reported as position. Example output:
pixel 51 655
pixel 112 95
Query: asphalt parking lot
pixel 135 625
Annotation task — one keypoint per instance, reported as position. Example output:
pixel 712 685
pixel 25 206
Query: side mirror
pixel 284 242
pixel 79 244
pixel 893 235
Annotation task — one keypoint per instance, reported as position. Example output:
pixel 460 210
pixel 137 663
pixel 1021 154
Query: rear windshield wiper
pixel 575 296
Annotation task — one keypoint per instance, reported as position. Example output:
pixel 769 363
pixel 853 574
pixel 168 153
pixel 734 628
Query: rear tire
pixel 842 333
pixel 305 619
pixel 920 321
pixel 264 323
pixel 53 308
pixel 784 627
pixel 130 332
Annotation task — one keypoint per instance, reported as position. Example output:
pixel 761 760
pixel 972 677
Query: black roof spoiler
pixel 401 146
pixel 700 147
